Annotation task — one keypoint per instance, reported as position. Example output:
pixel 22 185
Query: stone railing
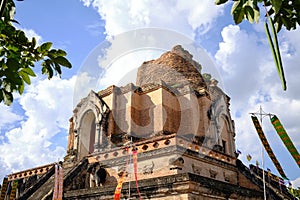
pixel 30 172
pixel 162 142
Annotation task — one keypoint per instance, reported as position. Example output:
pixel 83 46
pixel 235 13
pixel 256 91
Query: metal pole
pixel 261 115
pixel 263 156
pixel 130 150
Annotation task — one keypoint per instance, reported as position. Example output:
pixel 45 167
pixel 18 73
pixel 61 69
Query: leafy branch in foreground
pixel 280 13
pixel 19 54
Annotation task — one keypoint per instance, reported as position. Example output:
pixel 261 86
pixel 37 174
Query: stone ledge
pixel 167 186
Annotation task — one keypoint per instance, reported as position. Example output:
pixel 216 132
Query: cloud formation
pixel 251 80
pixel 180 15
pixel 32 142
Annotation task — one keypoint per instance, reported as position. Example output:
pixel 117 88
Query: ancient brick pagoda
pixel 175 121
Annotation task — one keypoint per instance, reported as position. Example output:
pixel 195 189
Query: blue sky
pixel 34 130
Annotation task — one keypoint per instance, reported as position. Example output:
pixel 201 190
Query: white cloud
pixel 118 74
pixel 179 15
pixel 85 82
pixel 48 106
pixel 296 183
pixel 8 116
pixel 251 80
pixel 31 33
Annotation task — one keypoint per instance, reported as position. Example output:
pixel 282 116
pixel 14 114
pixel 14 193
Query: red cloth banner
pixel 55 183
pixel 134 153
pixel 119 187
pixel 120 182
pixel 58 183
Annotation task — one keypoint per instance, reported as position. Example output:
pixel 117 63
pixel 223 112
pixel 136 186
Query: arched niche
pixel 87 134
pixel 90 115
pixel 226 135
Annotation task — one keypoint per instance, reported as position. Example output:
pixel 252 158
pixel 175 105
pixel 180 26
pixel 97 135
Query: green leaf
pixel 29 71
pixel 219 2
pixel 7 86
pixel 60 52
pixel 279 24
pixel 278 56
pixel 22 38
pixel 44 47
pixel 57 68
pixel 21 88
pixel 13 77
pixel 236 5
pixel 256 15
pixel 25 77
pixel 276 5
pixel 7 97
pixel 13 64
pixel 33 42
pixel 238 12
pixel 47 69
pixel 249 13
pixel 63 61
pixel 49 72
pixel 1 95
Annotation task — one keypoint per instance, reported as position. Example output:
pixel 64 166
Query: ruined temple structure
pixel 169 136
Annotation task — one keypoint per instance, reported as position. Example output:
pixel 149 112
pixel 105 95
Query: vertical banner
pixel 60 183
pixel 285 139
pixel 118 190
pixel 55 183
pixel 119 187
pixel 13 190
pixel 134 153
pixel 267 146
pixel 4 188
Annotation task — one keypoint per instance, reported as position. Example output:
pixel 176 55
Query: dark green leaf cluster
pixel 18 56
pixel 284 12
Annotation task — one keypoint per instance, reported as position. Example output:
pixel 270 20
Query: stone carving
pixel 97 175
pixel 226 177
pixel 71 156
pixel 213 173
pixel 71 136
pixel 196 169
pixel 217 109
pixel 176 163
pixel 122 170
pixel 148 169
pixel 79 182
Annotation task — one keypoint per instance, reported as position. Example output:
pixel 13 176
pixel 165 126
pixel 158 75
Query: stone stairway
pixel 43 188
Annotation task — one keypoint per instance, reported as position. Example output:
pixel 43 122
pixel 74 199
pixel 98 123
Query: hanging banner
pixel 285 139
pixel 4 188
pixel 120 182
pixel 60 183
pixel 55 189
pixel 134 153
pixel 267 146
pixel 119 187
pixel 13 190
